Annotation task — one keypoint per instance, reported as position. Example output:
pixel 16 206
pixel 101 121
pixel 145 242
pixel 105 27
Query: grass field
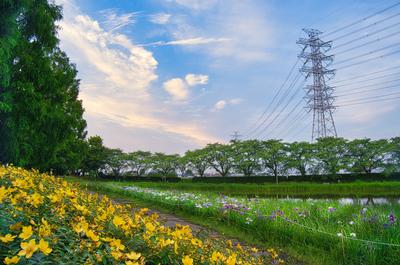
pixel 320 232
pixel 354 189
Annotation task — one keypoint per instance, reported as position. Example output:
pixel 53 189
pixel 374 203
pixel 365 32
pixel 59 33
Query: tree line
pixel 248 158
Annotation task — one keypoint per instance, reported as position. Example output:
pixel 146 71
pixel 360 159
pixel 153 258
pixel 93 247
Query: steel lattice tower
pixel 318 95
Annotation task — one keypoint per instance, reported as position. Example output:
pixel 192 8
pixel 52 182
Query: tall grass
pixel 303 240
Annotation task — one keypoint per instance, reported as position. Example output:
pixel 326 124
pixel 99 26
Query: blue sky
pixel 174 75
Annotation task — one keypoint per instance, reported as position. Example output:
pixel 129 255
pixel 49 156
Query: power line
pixel 368 53
pixel 367 43
pixel 285 93
pixel 249 131
pixel 367 90
pixel 300 115
pixel 368 60
pixel 368 101
pixel 350 84
pixel 365 80
pixel 365 27
pixel 365 36
pixel 372 97
pixel 368 74
pixel 361 20
pixel 280 112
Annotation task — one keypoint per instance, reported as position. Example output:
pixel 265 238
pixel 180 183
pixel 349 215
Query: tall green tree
pixel 42 125
pixel 220 158
pixel 274 157
pixel 94 157
pixel 300 157
pixel 366 155
pixel 139 162
pixel 197 161
pixel 246 155
pixel 165 164
pixel 332 154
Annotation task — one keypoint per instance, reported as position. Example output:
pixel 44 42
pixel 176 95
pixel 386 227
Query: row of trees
pixel 41 123
pixel 252 157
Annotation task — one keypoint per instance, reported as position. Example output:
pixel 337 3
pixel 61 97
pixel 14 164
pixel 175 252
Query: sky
pixel 173 75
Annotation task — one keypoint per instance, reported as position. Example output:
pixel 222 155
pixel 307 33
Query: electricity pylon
pixel 318 95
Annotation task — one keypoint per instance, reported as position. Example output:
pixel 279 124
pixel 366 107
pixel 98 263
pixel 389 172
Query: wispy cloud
pixel 193 79
pixel 187 42
pixel 160 18
pixel 114 20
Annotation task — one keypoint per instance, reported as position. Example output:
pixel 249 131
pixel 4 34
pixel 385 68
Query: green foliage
pixel 41 118
pixel 247 156
pixel 219 157
pixel 138 163
pixel 331 153
pixel 197 161
pixel 274 157
pixel 300 157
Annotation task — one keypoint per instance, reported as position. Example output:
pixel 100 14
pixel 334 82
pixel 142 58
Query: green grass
pixel 313 247
pixel 355 189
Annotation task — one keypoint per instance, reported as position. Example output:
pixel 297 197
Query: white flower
pixel 351 223
pixel 339 234
pixel 353 234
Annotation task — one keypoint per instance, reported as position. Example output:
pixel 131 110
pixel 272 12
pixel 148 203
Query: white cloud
pixel 116 75
pixel 187 42
pixel 193 79
pixel 113 20
pixel 220 104
pixel 235 101
pixel 160 18
pixel 177 88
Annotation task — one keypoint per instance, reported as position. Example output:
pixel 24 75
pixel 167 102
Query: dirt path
pixel 171 221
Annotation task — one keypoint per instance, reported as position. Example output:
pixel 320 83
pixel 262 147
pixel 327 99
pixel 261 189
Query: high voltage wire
pixel 367 90
pixel 300 129
pixel 368 60
pixel 367 53
pixel 299 116
pixel 365 36
pixel 369 101
pixel 372 97
pixel 249 131
pixel 350 84
pixel 364 80
pixel 285 93
pixel 280 112
pixel 368 74
pixel 365 27
pixel 369 42
pixel 288 114
pixel 361 20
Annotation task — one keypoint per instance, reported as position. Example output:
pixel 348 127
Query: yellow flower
pixel 28 248
pixel 117 244
pixel 3 193
pixel 133 255
pixel 217 256
pixel 7 238
pixel 90 234
pixel 231 260
pixel 118 221
pixel 187 260
pixel 273 253
pixel 128 262
pixel 13 260
pixel 44 247
pixel 116 254
pixel 150 227
pixel 26 232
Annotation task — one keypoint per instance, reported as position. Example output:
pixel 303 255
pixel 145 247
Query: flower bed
pixel 45 220
pixel 350 233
